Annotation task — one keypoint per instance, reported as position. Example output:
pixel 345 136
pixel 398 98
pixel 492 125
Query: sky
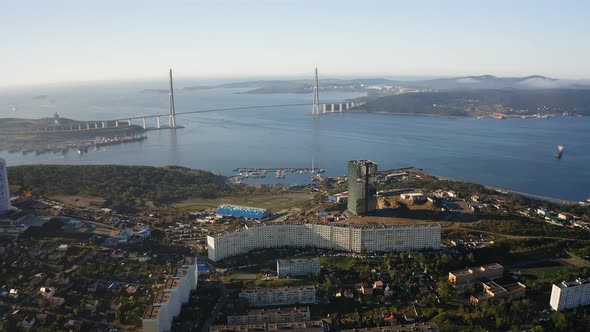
pixel 75 41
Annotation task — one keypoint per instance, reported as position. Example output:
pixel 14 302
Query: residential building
pixel 297 267
pixel 332 236
pixel 47 292
pixel 568 295
pixel 388 291
pixel 469 275
pixel 366 289
pixel 278 315
pixel 542 211
pixel 56 300
pixel 4 188
pixel 179 287
pixel 29 321
pixel 259 296
pixel 155 319
pixel 415 327
pixel 362 186
pixel 494 290
pixel 414 197
pixel 308 326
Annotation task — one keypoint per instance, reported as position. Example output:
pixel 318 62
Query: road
pixel 219 306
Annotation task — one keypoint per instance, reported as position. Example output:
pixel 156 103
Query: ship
pixel 559 151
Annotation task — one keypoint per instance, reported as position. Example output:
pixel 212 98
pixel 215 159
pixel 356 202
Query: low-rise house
pixel 388 291
pixel 41 318
pixel 116 304
pixel 542 211
pixel 13 293
pixel 29 321
pixel 452 194
pixel 62 279
pixel 74 324
pixel 346 293
pixel 47 292
pixel 378 285
pixel 366 289
pixel 93 287
pixel 414 197
pixel 56 300
pixel 91 305
pixel 565 216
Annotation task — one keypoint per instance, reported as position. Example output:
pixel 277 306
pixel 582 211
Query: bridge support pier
pixel 323 108
pixel 103 124
pixel 129 122
pixel 332 108
pixel 79 126
pixel 116 123
pixel 158 122
pixel 340 107
pixel 87 126
pixel 144 123
pixel 96 125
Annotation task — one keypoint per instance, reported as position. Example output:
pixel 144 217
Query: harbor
pixel 279 172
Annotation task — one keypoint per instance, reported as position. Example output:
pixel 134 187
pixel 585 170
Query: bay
pixel 517 154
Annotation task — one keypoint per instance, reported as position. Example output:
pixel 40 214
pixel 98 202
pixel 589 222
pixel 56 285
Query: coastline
pixel 554 200
pixel 506 116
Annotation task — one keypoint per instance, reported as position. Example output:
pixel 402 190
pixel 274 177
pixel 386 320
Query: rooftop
pixel 276 289
pixel 172 283
pixel 577 282
pixel 471 270
pixel 299 260
pixel 151 312
pixel 365 223
pixel 277 311
pixel 162 297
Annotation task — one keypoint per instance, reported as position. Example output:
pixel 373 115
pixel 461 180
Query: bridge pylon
pixel 316 95
pixel 172 111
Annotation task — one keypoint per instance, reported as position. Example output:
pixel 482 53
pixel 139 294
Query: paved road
pixel 218 307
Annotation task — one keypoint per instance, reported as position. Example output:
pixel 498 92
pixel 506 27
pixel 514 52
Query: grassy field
pixel 273 201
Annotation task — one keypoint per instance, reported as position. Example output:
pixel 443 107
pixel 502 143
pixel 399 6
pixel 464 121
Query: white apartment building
pixel 278 315
pixel 167 303
pixel 297 267
pixel 568 295
pixel 4 192
pixel 342 237
pixel 261 296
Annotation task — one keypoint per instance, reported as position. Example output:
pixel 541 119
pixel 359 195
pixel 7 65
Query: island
pixel 57 134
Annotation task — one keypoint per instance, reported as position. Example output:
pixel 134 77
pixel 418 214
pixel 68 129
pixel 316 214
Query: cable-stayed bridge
pixel 317 109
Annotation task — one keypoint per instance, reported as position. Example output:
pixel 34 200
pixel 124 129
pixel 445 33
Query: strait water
pixel 517 154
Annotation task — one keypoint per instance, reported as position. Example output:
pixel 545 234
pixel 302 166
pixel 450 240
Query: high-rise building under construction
pixel 362 186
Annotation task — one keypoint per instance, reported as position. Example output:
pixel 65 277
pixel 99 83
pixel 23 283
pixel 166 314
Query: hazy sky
pixel 56 41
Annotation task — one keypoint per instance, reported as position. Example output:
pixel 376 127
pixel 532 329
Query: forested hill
pixel 469 103
pixel 127 185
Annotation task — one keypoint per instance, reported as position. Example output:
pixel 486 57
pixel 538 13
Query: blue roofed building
pixel 228 210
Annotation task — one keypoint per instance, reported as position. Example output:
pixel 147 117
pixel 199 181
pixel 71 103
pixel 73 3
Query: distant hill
pixel 482 82
pixel 480 102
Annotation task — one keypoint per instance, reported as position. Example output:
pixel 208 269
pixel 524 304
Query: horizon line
pixel 285 77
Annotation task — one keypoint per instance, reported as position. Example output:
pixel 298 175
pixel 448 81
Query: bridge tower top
pixel 316 95
pixel 172 111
